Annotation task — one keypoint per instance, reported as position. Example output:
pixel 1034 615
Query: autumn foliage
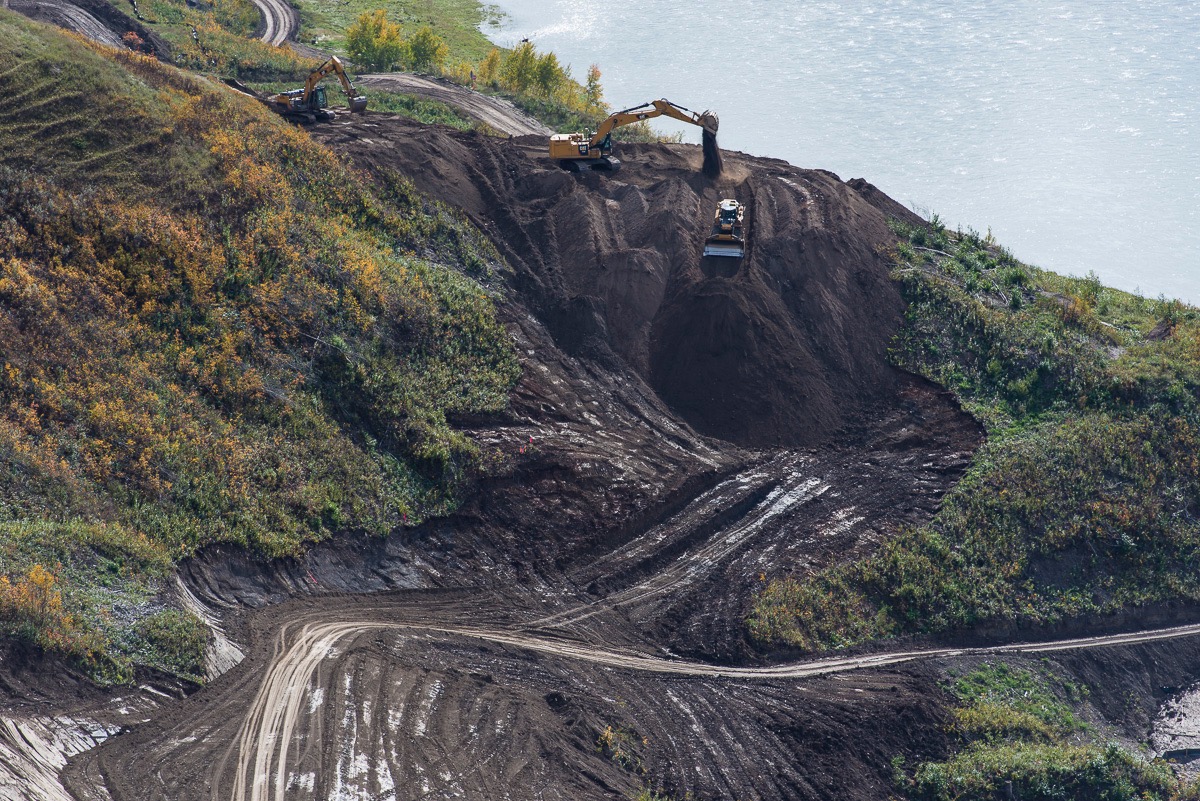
pixel 212 331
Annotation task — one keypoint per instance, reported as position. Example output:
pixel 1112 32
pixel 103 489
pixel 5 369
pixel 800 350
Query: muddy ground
pixel 684 430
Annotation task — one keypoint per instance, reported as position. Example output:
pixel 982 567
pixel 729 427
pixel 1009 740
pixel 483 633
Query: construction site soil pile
pixel 783 347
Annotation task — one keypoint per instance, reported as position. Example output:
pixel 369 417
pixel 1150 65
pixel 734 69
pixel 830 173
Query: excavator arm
pixel 357 102
pixel 656 108
pixel 583 151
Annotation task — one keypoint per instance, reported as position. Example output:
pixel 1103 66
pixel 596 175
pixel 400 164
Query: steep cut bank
pixel 784 347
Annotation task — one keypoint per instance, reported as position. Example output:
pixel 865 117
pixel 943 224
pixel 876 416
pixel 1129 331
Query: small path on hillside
pixel 495 112
pixel 71 17
pixel 280 21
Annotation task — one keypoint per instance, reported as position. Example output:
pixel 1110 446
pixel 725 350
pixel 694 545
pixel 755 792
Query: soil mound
pixel 781 347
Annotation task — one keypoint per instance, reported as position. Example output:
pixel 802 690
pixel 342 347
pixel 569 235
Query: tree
pixel 489 68
pixel 520 68
pixel 373 42
pixel 426 50
pixel 549 74
pixel 593 92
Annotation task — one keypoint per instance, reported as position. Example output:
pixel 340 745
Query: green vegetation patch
pixel 212 331
pixel 457 22
pixel 1019 736
pixel 1085 498
pixel 218 38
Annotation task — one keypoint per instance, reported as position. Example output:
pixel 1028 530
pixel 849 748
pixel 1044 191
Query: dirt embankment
pixel 781 348
pixel 516 633
pixel 575 630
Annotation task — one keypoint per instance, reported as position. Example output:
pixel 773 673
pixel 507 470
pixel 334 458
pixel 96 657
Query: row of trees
pixel 377 44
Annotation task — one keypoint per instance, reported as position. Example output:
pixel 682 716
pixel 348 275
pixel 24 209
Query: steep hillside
pixel 212 331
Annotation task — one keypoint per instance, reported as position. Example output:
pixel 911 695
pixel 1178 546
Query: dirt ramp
pixel 782 347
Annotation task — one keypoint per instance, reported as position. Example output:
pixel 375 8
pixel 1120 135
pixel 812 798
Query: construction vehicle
pixel 578 152
pixel 310 103
pixel 728 236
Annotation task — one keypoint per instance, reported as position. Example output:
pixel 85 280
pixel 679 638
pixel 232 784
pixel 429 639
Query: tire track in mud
pixel 70 16
pixel 497 113
pixel 263 742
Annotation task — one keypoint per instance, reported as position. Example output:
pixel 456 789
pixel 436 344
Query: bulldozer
pixel 578 152
pixel 728 236
pixel 311 104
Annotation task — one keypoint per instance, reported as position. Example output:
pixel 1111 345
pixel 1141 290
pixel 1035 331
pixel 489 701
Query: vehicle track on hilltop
pixel 70 16
pixel 498 114
pixel 280 22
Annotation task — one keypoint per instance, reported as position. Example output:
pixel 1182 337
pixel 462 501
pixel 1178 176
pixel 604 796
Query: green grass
pixel 324 22
pixel 210 331
pixel 1084 498
pixel 1020 728
pixel 224 43
pixel 430 112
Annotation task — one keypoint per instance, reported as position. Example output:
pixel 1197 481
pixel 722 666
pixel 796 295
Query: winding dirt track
pixel 483 694
pixel 494 112
pixel 69 16
pixel 280 21
pixel 266 745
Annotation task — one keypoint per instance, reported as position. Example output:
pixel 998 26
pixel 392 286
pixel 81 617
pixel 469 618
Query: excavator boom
pixel 310 104
pixel 357 101
pixel 579 151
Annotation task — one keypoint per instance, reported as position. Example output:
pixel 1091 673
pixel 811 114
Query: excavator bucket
pixel 358 104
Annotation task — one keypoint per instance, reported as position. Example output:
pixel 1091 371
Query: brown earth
pixel 98 20
pixel 487 654
pixel 783 348
pixel 575 631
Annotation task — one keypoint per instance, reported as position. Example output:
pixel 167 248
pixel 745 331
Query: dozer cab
pixel 728 236
pixel 578 152
pixel 311 103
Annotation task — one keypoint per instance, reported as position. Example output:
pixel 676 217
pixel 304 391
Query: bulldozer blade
pixel 732 250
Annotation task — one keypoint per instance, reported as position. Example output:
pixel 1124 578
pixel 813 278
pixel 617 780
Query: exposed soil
pixel 98 20
pixel 784 351
pixel 682 432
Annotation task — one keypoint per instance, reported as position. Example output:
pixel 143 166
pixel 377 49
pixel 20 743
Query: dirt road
pixel 69 16
pixel 497 113
pixel 576 630
pixel 280 21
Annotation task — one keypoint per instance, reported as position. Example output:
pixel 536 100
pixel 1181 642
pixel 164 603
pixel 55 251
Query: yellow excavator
pixel 578 152
pixel 310 103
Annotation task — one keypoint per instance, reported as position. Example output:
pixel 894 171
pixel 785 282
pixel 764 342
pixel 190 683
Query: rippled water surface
pixel 1071 129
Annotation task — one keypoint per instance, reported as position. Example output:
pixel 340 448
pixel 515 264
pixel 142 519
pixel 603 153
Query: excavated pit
pixel 783 347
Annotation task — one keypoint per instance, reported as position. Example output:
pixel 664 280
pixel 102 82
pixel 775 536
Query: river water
pixel 1071 129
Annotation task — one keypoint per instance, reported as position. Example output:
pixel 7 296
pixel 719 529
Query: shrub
pixel 426 50
pixel 374 42
pixel 176 640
